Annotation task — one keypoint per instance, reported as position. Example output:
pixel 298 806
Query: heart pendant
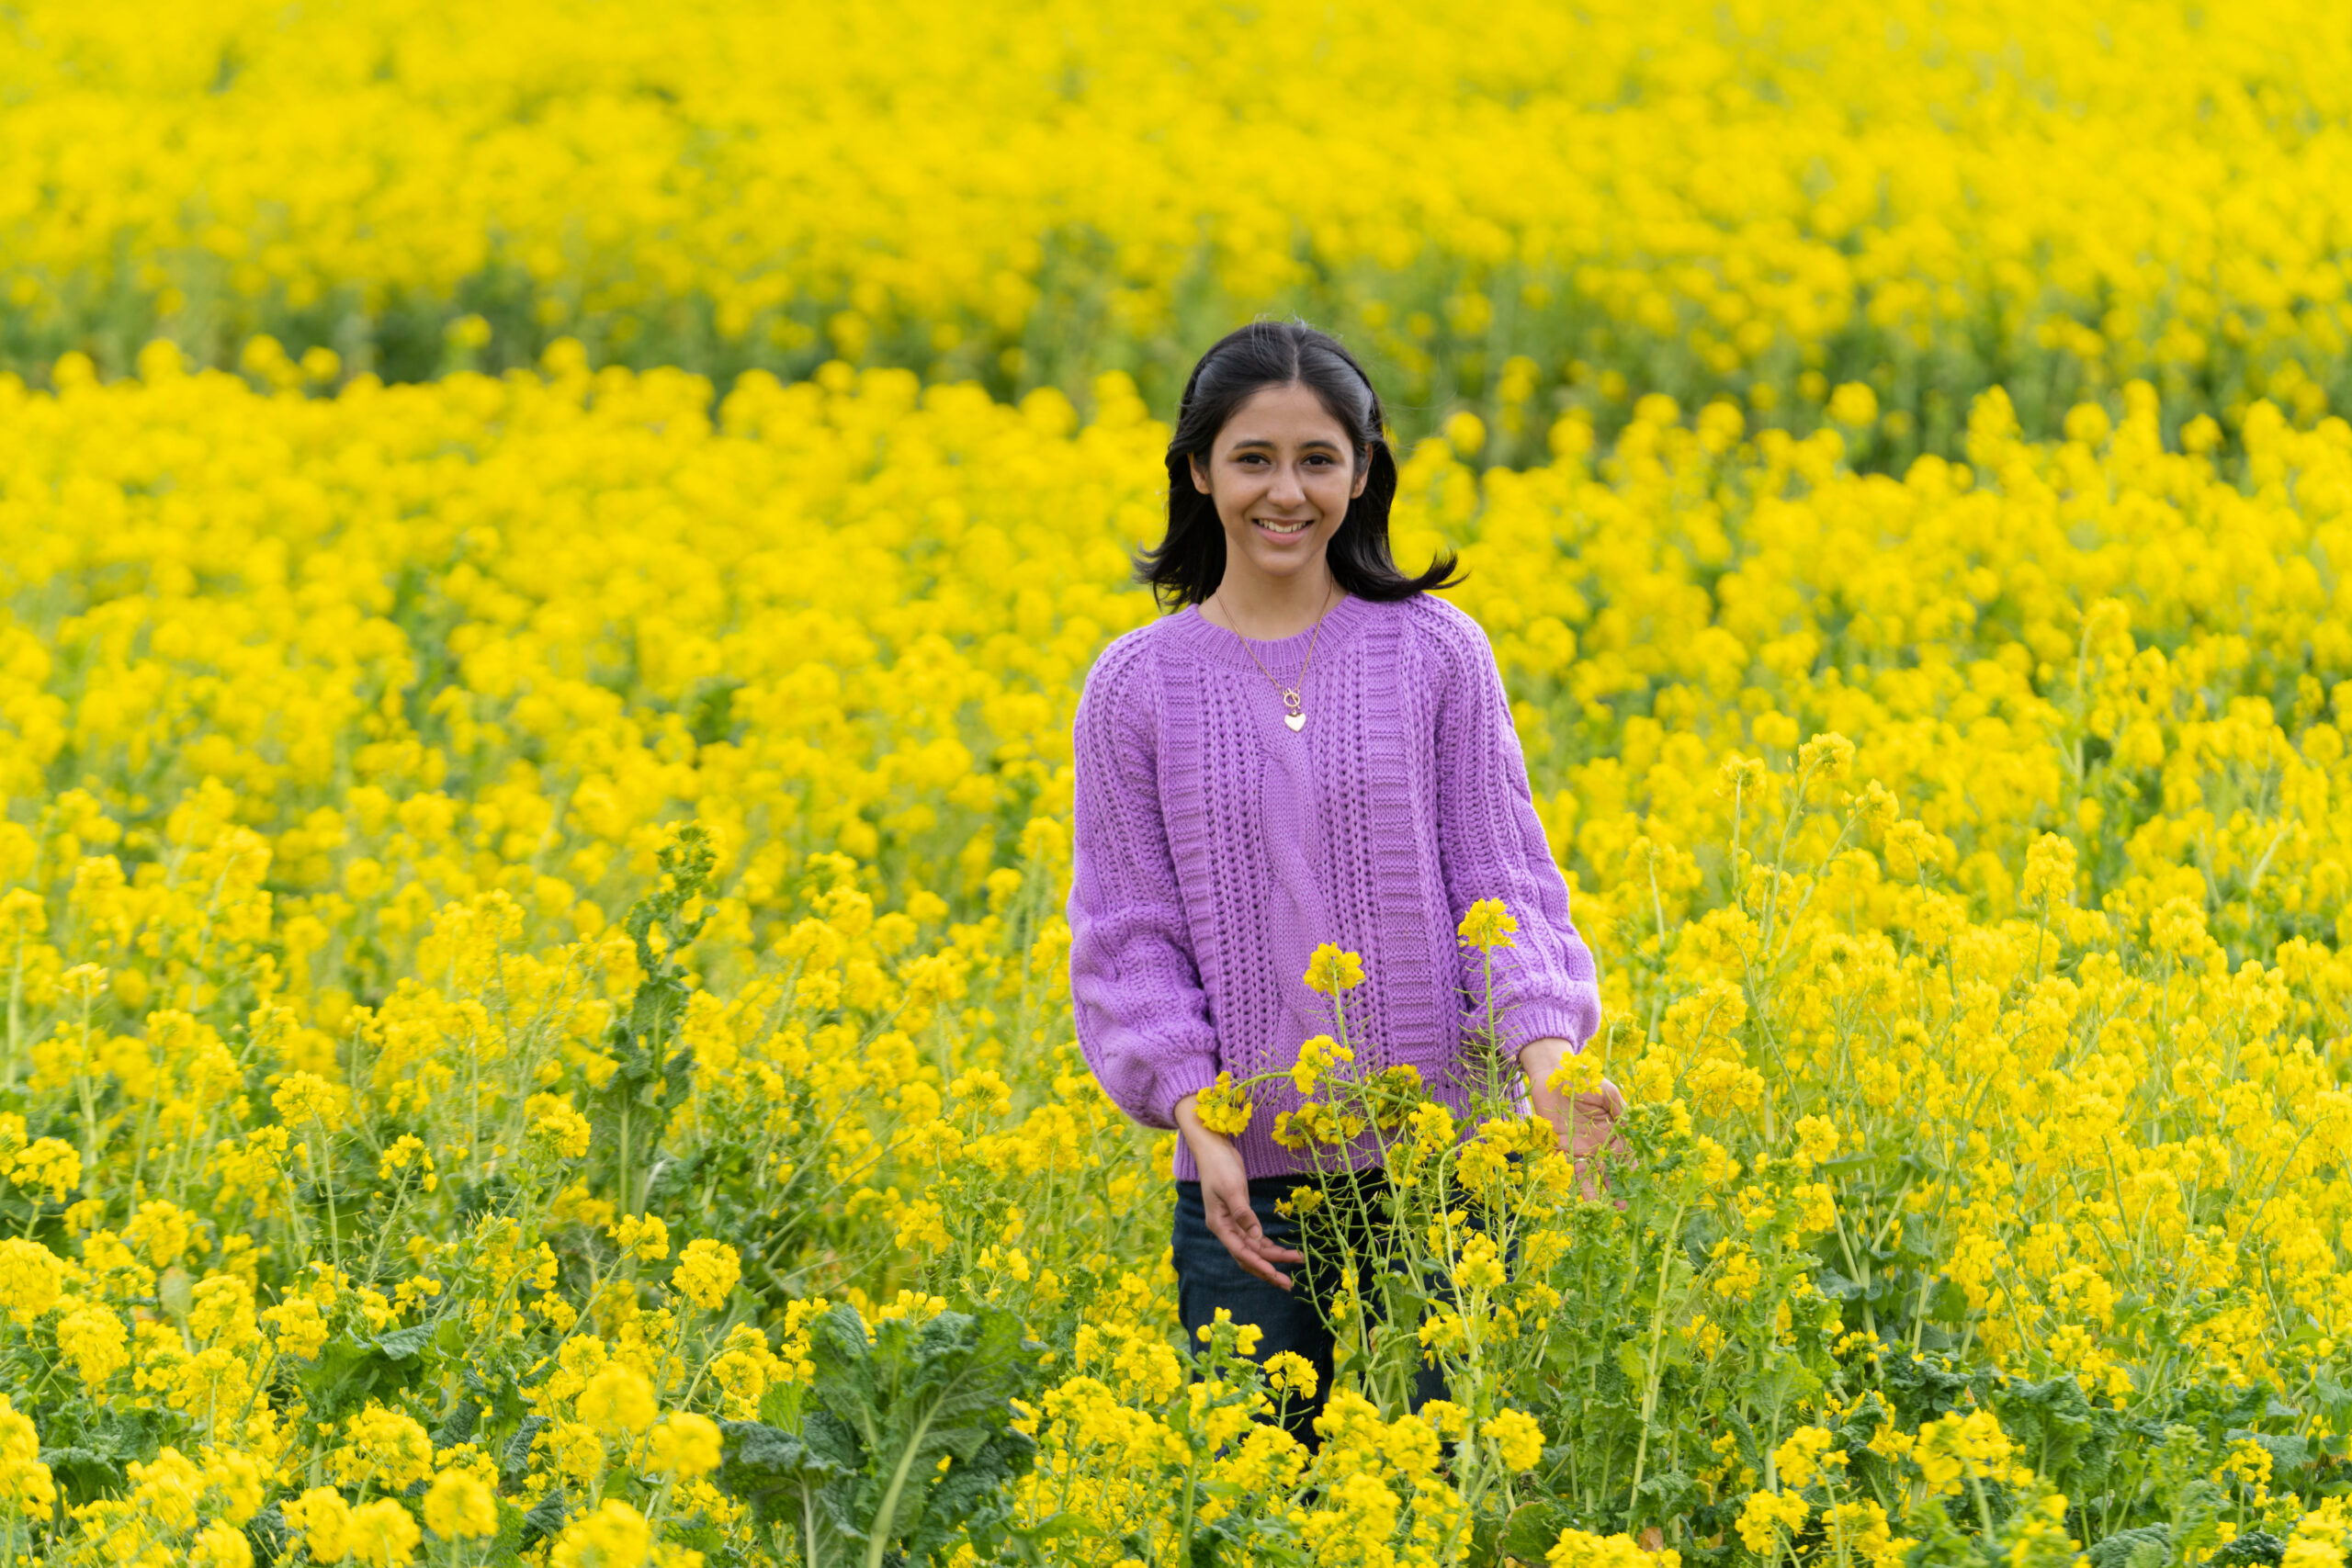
pixel 1295 720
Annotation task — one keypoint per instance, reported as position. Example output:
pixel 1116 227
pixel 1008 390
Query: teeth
pixel 1281 528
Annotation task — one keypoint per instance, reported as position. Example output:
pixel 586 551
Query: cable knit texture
pixel 1214 848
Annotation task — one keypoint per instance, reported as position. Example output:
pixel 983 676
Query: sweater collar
pixel 1222 643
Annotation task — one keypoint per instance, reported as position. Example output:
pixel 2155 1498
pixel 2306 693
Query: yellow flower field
pixel 546 558
pixel 1505 203
pixel 395 1166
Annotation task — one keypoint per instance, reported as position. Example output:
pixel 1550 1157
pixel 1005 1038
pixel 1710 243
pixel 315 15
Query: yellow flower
pixel 301 1327
pixel 1487 925
pixel 2048 872
pixel 1330 971
pixel 1578 1549
pixel 1804 1455
pixel 1317 1055
pixel 382 1448
pixel 305 1098
pixel 383 1532
pixel 1765 1514
pixel 1853 403
pixel 1221 1108
pixel 24 1478
pixel 162 1230
pixel 92 1340
pixel 643 1236
pixel 558 1125
pixel 1314 1122
pixel 324 1520
pixel 614 1536
pixel 707 1272
pixel 49 1164
pixel 406 1151
pixel 1829 756
pixel 166 1488
pixel 222 1545
pixel 30 1279
pixel 1517 1439
pixel 460 1506
pixel 686 1445
pixel 1289 1372
pixel 617 1399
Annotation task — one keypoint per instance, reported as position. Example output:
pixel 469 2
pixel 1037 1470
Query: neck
pixel 1266 607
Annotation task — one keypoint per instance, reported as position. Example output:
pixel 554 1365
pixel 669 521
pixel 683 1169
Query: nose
pixel 1286 487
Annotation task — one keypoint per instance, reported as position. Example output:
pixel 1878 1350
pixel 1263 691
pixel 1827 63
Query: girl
pixel 1313 748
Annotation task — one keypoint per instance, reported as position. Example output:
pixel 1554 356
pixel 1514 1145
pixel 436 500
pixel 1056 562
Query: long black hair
pixel 1188 564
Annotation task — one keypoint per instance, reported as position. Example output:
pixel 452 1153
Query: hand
pixel 1585 1123
pixel 1225 1193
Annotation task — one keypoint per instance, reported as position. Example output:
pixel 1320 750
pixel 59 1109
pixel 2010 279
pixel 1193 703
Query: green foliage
pixel 908 1448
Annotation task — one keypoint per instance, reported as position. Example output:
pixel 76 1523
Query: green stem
pixel 1649 1376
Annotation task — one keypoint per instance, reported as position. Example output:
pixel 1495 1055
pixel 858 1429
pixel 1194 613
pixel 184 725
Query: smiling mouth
pixel 1281 530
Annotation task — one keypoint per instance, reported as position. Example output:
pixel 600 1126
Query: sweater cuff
pixel 1572 1018
pixel 1188 1076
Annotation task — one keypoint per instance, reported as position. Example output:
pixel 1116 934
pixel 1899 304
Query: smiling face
pixel 1281 473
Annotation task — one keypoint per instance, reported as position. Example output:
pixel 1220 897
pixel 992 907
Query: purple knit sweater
pixel 1214 848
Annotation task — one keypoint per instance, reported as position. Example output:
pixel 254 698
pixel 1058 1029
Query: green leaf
pixel 545 1518
pixel 2051 1421
pixel 517 1458
pixel 458 1425
pixel 1663 1494
pixel 83 1473
pixel 2255 1547
pixel 1533 1528
pixel 1836 1286
pixel 909 1448
pixel 403 1344
pixel 2119 1550
pixel 267 1535
pixel 785 1480
pixel 349 1372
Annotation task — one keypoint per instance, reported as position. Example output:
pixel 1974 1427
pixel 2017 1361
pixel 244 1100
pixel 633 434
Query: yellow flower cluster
pixel 1897 200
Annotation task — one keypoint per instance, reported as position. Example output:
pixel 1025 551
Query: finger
pixel 1246 1244
pixel 1254 1265
pixel 1266 1272
pixel 1253 1235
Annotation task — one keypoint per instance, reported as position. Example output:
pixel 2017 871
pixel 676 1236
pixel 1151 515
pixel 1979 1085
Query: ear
pixel 1199 475
pixel 1364 477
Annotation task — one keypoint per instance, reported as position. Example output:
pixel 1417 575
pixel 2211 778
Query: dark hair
pixel 1189 563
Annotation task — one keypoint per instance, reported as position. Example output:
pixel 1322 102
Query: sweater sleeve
pixel 1491 845
pixel 1142 1017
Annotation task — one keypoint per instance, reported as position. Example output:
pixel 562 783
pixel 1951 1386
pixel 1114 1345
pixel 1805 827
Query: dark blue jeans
pixel 1207 1278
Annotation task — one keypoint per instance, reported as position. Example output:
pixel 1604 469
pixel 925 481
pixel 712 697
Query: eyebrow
pixel 1268 440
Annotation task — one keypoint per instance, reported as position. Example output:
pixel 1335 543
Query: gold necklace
pixel 1293 714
